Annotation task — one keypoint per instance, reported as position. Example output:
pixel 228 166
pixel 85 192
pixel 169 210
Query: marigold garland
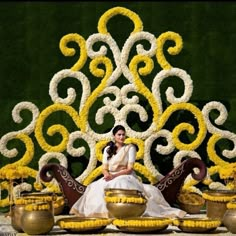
pixel 231 204
pixel 142 222
pixel 197 223
pixel 218 198
pixel 137 200
pixel 37 207
pixel 83 224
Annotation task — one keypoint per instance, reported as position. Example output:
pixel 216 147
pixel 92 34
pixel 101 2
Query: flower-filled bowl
pixel 125 203
pixel 83 224
pixel 197 225
pixel 142 224
pixel 192 203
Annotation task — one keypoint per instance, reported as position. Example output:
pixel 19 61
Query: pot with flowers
pixel 123 203
pixel 218 199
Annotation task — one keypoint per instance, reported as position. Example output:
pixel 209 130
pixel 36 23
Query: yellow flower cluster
pixel 33 199
pixel 14 172
pixel 37 207
pixel 59 202
pixel 218 198
pixel 200 223
pixel 83 224
pixel 144 171
pixel 4 202
pixel 231 205
pixel 228 171
pixel 142 222
pixel 138 200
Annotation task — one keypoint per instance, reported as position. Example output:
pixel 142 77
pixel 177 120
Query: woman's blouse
pixel 124 157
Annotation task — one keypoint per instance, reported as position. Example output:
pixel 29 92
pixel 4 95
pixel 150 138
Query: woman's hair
pixel 111 150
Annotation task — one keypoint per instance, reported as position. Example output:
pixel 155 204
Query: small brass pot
pixel 17 212
pixel 37 221
pixel 229 220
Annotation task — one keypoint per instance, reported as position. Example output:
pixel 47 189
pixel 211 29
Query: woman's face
pixel 119 136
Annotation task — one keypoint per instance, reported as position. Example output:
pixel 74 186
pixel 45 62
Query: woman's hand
pixel 108 177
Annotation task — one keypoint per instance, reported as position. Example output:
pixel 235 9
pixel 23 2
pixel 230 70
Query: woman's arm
pixel 127 171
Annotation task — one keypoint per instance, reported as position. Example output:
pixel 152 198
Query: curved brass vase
pixel 37 222
pixel 229 220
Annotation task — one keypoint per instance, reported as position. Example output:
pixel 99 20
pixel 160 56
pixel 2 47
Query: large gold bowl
pixel 124 210
pixel 192 203
pixel 125 203
pixel 76 224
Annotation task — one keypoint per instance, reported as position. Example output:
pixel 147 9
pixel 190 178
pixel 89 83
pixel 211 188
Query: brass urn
pixel 37 219
pixel 229 219
pixel 217 206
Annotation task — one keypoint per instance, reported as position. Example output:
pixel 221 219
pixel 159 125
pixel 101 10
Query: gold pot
pixel 229 220
pixel 123 210
pixel 129 208
pixel 17 212
pixel 49 197
pixel 37 221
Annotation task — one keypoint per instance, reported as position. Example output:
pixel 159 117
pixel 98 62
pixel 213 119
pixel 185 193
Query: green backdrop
pixel 30 33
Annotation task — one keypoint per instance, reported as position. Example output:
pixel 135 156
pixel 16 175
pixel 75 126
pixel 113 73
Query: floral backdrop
pixel 60 105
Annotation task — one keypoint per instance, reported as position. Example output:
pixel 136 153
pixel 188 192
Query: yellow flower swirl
pixel 172 50
pixel 145 172
pixel 99 147
pixel 148 67
pixel 4 201
pixel 211 150
pixel 92 98
pixel 92 176
pixel 102 23
pixel 71 51
pixel 55 128
pixel 140 144
pixel 185 126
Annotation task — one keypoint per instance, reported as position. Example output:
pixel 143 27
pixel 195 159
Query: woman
pixel 118 162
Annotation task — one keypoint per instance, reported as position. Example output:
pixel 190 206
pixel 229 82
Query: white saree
pixel 92 202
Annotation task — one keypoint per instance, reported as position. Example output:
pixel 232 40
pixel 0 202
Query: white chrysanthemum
pixel 217 186
pixel 17 190
pixel 71 94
